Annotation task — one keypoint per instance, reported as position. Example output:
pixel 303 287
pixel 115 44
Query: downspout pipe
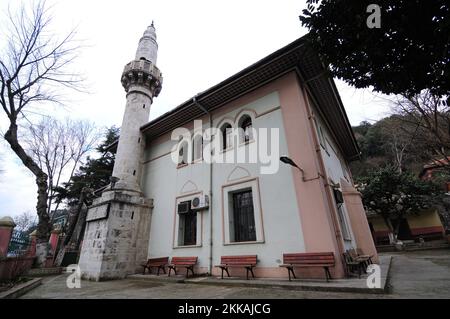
pixel 328 190
pixel 210 264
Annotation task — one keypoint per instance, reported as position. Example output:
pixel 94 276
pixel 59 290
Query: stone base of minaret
pixel 116 237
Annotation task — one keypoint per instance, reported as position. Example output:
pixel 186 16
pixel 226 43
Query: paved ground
pixel 422 274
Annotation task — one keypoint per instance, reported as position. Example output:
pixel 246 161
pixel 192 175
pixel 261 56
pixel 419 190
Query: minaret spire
pixel 148 47
pixel 142 81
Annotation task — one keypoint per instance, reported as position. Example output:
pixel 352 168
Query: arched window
pixel 198 148
pixel 245 124
pixel 183 153
pixel 227 136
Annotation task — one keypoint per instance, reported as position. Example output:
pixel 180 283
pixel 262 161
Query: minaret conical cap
pixel 148 47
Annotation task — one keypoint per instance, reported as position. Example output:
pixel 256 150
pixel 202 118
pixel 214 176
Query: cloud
pixel 17 187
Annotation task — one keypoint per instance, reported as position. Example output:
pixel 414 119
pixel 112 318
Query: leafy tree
pixel 394 195
pixel 409 53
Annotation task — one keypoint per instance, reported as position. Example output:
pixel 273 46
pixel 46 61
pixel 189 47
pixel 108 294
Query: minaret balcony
pixel 142 73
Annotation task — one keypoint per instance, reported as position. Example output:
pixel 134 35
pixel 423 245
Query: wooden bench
pixel 325 260
pixel 357 255
pixel 186 262
pixel 159 263
pixel 247 261
pixel 352 264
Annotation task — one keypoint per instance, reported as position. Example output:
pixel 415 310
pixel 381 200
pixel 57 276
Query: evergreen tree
pixel 95 174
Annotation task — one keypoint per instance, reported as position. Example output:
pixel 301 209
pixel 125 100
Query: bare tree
pixel 33 64
pixel 24 221
pixel 399 138
pixel 59 147
pixel 427 117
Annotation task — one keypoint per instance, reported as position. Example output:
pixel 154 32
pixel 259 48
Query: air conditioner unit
pixel 338 196
pixel 200 202
pixel 184 207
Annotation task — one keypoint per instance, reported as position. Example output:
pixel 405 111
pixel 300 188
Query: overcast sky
pixel 200 44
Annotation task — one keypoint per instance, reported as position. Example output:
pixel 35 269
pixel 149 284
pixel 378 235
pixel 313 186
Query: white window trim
pixel 227 190
pixel 194 148
pixel 241 132
pixel 199 236
pixel 347 236
pixel 186 146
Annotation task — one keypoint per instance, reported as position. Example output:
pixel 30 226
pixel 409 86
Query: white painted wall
pixel 280 222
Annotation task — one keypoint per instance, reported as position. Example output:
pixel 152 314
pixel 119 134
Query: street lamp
pixel 287 160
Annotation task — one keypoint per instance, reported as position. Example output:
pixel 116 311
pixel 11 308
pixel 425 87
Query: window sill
pixel 245 243
pixel 246 142
pixel 226 150
pixel 181 165
pixel 189 246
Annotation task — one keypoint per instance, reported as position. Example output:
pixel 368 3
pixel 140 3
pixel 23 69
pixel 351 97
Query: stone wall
pixel 116 238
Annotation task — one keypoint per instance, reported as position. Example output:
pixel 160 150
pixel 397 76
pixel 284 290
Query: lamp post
pixel 287 160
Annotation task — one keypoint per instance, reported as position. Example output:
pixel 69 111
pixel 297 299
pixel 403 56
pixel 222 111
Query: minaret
pixel 117 233
pixel 142 81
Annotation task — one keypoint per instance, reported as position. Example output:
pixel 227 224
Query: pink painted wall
pixel 358 221
pixel 317 223
pixel 32 250
pixel 54 238
pixel 5 237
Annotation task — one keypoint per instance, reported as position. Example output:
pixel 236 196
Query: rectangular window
pixel 343 222
pixel 228 138
pixel 341 214
pixel 323 141
pixel 187 235
pixel 198 148
pixel 243 218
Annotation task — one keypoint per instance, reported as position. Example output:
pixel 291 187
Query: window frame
pixel 247 235
pixel 226 136
pixel 343 221
pixel 243 130
pixel 229 189
pixel 183 145
pixel 177 236
pixel 195 139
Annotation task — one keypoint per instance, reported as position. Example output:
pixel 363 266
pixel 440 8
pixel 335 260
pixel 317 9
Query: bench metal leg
pixel 226 270
pixel 327 273
pixel 291 269
pixel 191 268
pixel 250 269
pixel 144 270
pixel 174 270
